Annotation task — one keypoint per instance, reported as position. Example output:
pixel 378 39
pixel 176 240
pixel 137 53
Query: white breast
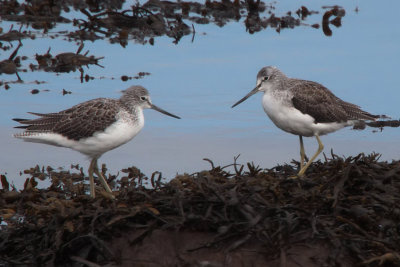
pixel 293 121
pixel 114 136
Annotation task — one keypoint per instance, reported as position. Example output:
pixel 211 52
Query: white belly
pixel 114 136
pixel 293 121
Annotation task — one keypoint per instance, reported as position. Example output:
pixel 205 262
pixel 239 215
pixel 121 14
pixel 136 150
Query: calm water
pixel 199 81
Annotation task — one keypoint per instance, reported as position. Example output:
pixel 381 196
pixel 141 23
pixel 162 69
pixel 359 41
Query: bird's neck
pixel 281 83
pixel 131 108
pixel 278 91
pixel 136 111
pixel 274 88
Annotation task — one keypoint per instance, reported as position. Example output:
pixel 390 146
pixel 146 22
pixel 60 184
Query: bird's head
pixel 267 77
pixel 138 97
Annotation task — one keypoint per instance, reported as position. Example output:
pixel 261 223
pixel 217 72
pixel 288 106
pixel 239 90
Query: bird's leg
pixel 91 179
pixel 302 153
pixel 101 177
pixel 320 148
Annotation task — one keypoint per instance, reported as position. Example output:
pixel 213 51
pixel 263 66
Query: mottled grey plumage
pixel 320 103
pixel 314 99
pixel 92 127
pixel 80 121
pixel 304 108
pixel 84 119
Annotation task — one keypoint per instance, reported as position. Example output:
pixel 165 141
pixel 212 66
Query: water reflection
pixel 100 20
pixel 93 20
pixel 10 65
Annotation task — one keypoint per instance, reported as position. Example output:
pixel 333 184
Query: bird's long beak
pixel 152 106
pixel 252 92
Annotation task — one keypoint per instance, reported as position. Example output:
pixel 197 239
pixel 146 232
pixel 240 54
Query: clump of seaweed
pixel 345 211
pixel 66 62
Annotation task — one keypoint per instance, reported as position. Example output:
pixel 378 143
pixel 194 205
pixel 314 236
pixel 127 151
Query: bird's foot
pixel 107 195
pixel 296 176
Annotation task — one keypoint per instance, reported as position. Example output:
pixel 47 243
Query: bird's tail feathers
pixel 379 121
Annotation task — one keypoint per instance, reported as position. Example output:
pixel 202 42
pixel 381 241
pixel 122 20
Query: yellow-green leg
pixel 101 177
pixel 91 179
pixel 320 148
pixel 302 152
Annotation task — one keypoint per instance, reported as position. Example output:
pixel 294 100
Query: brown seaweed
pixel 345 211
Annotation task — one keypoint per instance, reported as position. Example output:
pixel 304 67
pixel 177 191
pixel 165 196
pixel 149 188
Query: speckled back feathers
pixel 77 122
pixel 319 102
pixel 314 99
pixel 85 119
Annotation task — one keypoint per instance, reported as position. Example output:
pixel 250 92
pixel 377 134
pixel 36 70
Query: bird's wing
pixel 354 112
pixel 317 101
pixel 44 123
pixel 77 122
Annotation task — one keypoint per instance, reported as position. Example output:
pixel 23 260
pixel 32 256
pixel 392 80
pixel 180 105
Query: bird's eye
pixel 143 98
pixel 266 78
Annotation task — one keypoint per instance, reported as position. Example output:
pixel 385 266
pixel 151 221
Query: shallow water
pixel 200 80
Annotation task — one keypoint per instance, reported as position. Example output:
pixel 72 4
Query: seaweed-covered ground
pixel 345 212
